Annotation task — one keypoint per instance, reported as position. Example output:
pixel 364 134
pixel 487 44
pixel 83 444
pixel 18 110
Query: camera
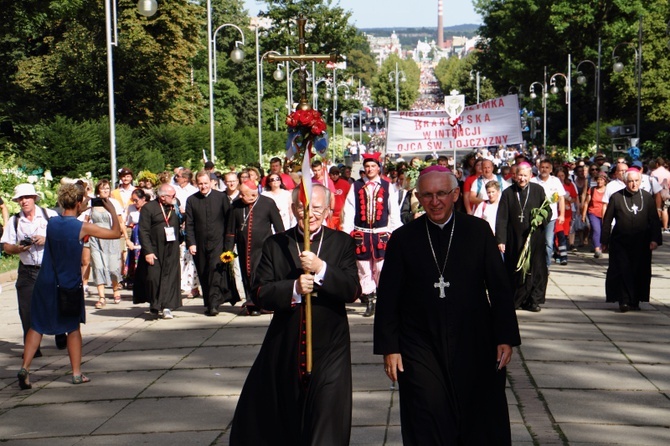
pixel 97 202
pixel 27 241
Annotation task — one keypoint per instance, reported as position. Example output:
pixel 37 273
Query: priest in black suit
pixel 279 404
pixel 158 268
pixel 253 218
pixel 445 322
pixel 512 229
pixel 206 214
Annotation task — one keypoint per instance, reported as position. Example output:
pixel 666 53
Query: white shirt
pixel 612 187
pixel 25 227
pixel 183 193
pixel 551 185
pixel 487 211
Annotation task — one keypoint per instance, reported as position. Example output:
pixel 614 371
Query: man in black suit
pixel 253 218
pixel 206 213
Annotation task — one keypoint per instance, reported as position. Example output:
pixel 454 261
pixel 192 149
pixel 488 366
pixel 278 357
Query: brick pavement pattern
pixel 585 374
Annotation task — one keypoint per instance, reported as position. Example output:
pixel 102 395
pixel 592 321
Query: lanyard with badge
pixel 170 236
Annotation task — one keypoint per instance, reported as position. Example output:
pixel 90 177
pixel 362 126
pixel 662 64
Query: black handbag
pixel 70 300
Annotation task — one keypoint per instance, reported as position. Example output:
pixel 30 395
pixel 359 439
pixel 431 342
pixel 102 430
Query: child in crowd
pixel 488 209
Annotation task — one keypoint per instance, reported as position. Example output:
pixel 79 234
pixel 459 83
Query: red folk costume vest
pixel 371 219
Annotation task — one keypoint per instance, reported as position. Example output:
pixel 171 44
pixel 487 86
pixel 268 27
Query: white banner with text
pixel 491 123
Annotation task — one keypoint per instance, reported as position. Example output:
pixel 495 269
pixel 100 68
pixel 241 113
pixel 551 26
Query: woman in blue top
pixel 62 257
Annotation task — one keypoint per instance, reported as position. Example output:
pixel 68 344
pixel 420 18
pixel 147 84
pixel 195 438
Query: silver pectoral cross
pixel 635 209
pixel 521 218
pixel 441 284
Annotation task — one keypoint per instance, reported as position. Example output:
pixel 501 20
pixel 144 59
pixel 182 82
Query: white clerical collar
pixel 442 225
pixel 312 234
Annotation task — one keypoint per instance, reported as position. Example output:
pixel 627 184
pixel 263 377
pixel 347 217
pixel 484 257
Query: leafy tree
pixel 384 87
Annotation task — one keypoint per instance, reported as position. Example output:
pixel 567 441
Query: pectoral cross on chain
pixel 521 218
pixel 634 208
pixel 441 284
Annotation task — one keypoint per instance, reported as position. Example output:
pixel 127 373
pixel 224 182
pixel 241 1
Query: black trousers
pixel 25 282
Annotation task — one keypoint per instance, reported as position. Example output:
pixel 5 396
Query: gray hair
pixel 628 172
pixel 165 189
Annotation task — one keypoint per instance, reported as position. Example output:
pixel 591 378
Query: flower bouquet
pixel 537 216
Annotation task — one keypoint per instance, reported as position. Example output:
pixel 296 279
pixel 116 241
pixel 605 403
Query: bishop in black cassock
pixel 253 218
pixel 206 214
pixel 279 404
pixel 445 306
pixel 512 229
pixel 636 234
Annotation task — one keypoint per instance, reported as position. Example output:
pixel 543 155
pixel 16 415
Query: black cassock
pixel 205 228
pixel 450 391
pixel 158 284
pixel 248 227
pixel 637 224
pixel 513 232
pixel 274 407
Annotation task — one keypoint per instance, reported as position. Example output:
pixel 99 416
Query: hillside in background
pixel 409 36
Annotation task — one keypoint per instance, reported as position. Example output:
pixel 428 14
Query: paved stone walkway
pixel 585 374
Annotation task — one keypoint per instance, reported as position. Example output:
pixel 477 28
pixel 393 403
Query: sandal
pixel 101 303
pixel 80 379
pixel 23 376
pixel 117 297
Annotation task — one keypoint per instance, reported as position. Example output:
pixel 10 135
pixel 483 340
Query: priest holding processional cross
pixel 300 384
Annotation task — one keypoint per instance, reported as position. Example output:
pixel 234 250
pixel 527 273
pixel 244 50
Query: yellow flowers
pixel 227 256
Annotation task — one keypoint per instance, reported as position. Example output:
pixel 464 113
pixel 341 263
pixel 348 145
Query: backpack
pixel 665 190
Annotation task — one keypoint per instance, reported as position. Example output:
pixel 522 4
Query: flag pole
pixel 308 296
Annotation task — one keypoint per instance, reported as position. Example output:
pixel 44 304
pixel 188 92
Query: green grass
pixel 8 263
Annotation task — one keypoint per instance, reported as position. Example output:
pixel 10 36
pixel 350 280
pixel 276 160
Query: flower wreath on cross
pixel 306 131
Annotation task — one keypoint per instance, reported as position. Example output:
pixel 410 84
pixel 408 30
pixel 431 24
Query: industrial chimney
pixel 440 26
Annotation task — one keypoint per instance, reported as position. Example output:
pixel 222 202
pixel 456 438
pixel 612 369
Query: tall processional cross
pixel 301 58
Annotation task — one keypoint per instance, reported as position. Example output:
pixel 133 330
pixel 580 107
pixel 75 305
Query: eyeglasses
pixel 273 180
pixel 316 211
pixel 439 195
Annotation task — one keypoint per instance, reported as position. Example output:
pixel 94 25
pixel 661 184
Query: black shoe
pixel 624 308
pixel 564 262
pixel 254 313
pixel 211 312
pixel 370 310
pixel 61 341
pixel 534 308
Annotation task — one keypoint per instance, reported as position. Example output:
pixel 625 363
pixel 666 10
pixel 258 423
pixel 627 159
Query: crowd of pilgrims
pixel 482 177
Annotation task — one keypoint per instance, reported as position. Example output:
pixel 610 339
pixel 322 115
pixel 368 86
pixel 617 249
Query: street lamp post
pixel 581 80
pixel 568 95
pixel 335 88
pixel 618 68
pixel 147 8
pixel 278 75
pixel 533 95
pixel 237 55
pixel 396 77
pixel 477 78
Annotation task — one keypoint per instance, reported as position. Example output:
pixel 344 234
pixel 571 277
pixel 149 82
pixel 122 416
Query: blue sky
pixel 398 13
